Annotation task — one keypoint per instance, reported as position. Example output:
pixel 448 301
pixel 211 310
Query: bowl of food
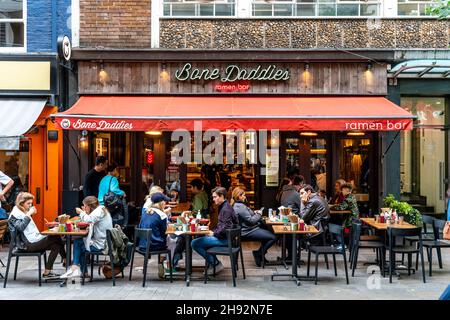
pixel 82 225
pixel 52 224
pixel 203 221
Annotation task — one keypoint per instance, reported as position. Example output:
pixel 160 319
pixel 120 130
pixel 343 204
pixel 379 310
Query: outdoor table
pixel 68 235
pixel 339 212
pixel 383 228
pixel 283 242
pixel 286 230
pixel 189 235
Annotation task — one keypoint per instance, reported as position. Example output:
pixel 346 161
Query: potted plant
pixel 410 214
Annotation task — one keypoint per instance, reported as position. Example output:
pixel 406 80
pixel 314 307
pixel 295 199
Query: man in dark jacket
pixel 290 196
pixel 316 211
pixel 218 237
pixel 94 176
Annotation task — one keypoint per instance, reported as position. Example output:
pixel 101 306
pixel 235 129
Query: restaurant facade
pixel 329 108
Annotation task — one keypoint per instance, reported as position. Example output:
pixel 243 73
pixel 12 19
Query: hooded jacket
pixel 248 219
pixel 291 198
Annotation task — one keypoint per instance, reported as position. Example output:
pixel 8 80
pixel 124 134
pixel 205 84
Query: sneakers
pixel 50 275
pixel 71 274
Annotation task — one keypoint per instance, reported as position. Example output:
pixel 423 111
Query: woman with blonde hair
pixel 252 226
pixel 100 219
pixel 27 236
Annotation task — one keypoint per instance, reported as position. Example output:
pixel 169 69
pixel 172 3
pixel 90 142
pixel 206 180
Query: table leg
pixel 188 260
pixel 294 274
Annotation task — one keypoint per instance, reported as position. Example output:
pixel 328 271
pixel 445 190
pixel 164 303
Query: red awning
pixel 158 113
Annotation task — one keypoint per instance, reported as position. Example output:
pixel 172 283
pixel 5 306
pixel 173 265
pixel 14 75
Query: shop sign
pixel 81 124
pixel 233 73
pixel 150 157
pixel 232 87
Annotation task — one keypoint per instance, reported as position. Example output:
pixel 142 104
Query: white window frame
pixel 197 3
pixel 417 3
pixel 24 21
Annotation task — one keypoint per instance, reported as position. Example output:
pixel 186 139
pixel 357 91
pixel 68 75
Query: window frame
pixel 24 21
pixel 196 6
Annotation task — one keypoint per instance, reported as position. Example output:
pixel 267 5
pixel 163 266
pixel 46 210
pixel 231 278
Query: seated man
pixel 218 238
pixel 349 203
pixel 315 211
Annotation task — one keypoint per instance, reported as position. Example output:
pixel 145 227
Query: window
pixel 414 8
pixel 12 24
pixel 201 8
pixel 307 8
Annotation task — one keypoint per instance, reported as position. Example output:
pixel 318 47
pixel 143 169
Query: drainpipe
pixel 54 24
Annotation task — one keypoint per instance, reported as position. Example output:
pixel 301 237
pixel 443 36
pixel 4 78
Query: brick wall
pixel 115 23
pixel 303 33
pixel 40 37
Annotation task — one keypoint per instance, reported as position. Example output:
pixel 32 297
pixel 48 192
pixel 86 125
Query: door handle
pixel 38 195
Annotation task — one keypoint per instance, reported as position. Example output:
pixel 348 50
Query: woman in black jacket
pixel 252 225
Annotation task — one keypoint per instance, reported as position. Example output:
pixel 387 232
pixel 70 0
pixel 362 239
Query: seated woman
pixel 251 225
pixel 156 219
pixel 28 238
pixel 349 203
pixel 337 197
pixel 100 219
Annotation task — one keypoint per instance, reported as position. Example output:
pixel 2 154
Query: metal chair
pixel 337 235
pixel 89 256
pixel 409 250
pixel 437 244
pixel 358 244
pixel 147 234
pixel 233 250
pixel 14 252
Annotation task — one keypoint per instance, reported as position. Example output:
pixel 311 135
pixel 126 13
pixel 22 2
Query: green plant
pixel 440 9
pixel 411 214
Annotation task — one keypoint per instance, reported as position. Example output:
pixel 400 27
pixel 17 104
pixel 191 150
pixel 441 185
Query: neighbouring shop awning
pixel 421 69
pixel 17 116
pixel 137 113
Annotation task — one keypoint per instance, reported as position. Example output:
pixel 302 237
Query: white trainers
pixel 219 267
pixel 76 274
pixel 66 275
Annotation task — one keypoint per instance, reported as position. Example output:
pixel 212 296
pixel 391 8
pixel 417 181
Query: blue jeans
pixel 79 250
pixel 200 245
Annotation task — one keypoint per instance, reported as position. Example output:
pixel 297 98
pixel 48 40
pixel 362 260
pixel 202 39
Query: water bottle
pixel 270 213
pixel 199 215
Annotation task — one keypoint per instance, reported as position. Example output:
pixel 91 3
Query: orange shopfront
pixel 30 143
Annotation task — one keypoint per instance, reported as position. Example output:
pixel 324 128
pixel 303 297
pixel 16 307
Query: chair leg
pixel 423 265
pixel 242 263
pixel 430 259
pixel 345 267
pixel 131 265
pixel 92 268
pixel 39 270
pixel 309 262
pixel 113 274
pixel 145 270
pixel 409 263
pixel 233 268
pixel 390 266
pixel 383 260
pixel 355 260
pixel 206 271
pixel 439 254
pixel 317 267
pixel 334 264
pixel 417 261
pixel 8 263
pixel 15 269
pixel 45 257
pixel 326 261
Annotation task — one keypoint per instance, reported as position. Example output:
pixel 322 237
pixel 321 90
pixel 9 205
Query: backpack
pixel 112 201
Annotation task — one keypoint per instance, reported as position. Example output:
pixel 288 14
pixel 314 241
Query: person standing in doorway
pixel 94 176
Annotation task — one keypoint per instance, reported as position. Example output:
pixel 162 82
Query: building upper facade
pixel 259 24
pixel 28 26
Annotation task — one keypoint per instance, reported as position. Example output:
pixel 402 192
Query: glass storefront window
pixel 15 165
pixel 422 154
pixel 318 149
pixel 192 8
pixel 354 163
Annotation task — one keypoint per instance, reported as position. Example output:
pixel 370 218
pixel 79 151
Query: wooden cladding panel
pixel 321 79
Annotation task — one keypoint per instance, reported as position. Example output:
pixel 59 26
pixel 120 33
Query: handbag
pixel 446 231
pixel 107 271
pixel 111 200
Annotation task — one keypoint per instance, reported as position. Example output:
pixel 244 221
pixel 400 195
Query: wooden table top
pixel 273 223
pixel 196 233
pixel 281 230
pixel 72 233
pixel 383 226
pixel 336 212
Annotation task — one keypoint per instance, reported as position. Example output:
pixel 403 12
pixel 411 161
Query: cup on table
pixel 185 228
pixel 377 218
pixel 294 226
pixel 301 226
pixel 68 227
pixel 193 227
pixel 401 219
pixel 381 219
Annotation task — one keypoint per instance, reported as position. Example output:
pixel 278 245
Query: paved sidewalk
pixel 257 285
